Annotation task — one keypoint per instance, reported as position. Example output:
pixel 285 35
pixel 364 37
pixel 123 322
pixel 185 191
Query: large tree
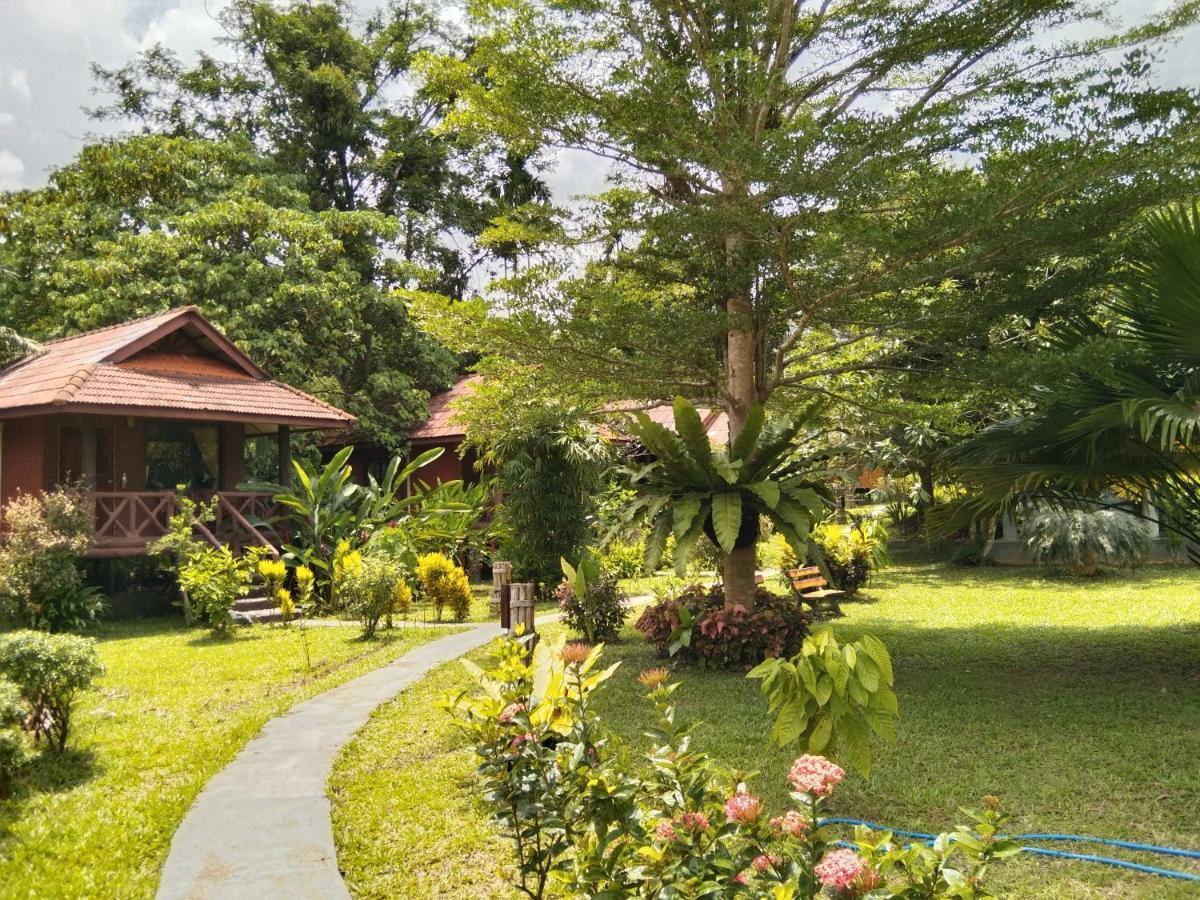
pixel 139 225
pixel 327 93
pixel 801 185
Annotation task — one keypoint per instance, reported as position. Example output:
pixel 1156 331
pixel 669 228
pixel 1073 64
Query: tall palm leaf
pixel 1134 429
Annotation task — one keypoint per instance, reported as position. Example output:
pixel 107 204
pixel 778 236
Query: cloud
pixel 12 171
pixel 6 118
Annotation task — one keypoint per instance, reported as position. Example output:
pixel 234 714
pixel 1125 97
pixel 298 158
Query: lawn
pixel 174 707
pixel 1076 701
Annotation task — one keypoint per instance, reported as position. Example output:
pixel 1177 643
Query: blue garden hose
pixel 1063 854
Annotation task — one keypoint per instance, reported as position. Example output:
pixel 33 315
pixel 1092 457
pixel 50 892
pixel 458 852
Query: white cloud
pixel 6 118
pixel 12 171
pixel 17 81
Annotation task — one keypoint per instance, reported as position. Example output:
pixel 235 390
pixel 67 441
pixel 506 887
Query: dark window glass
pixel 180 453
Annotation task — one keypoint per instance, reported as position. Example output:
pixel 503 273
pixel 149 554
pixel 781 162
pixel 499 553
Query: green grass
pixel 1077 701
pixel 174 707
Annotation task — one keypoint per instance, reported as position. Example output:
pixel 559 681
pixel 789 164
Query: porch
pixel 127 522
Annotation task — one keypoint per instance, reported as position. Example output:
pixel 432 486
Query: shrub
pixel 849 553
pixel 373 588
pixel 695 626
pixel 50 671
pixel 830 697
pixel 623 559
pixel 213 579
pixel 40 583
pixel 592 602
pixel 444 584
pixel 12 743
pixel 1084 541
pixel 579 806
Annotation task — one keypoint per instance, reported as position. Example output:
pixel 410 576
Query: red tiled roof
pixel 441 424
pixel 118 370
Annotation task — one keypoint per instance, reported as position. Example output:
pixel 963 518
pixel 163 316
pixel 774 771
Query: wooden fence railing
pixel 128 521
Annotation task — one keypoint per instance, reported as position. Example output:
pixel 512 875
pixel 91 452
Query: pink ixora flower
pixel 510 712
pixel 790 823
pixel 515 743
pixel 743 808
pixel 692 821
pixel 740 878
pixel 762 862
pixel 666 831
pixel 840 869
pixel 815 775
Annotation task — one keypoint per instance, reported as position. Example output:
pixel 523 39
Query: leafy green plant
pixel 444 584
pixel 589 815
pixel 324 508
pixel 622 558
pixel 40 582
pixel 50 671
pixel 1085 540
pixel 592 603
pixel 830 697
pixel 689 490
pixel 373 587
pixel 695 624
pixel 13 753
pixel 213 579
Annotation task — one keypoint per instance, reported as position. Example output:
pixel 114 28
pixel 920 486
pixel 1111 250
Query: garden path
pixel 261 826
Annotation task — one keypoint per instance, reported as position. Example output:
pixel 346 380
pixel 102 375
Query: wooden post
pixel 284 438
pixel 87 454
pixel 501 575
pixel 520 609
pixel 505 606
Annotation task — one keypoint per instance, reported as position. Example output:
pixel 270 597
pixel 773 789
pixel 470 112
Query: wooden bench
pixel 810 587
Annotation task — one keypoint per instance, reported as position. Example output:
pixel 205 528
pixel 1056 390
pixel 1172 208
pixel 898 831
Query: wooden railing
pixel 128 521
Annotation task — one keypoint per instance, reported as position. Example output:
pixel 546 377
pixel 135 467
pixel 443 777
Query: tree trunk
pixel 739 578
pixel 740 365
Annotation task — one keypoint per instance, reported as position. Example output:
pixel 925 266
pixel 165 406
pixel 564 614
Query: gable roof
pixel 441 424
pixel 172 364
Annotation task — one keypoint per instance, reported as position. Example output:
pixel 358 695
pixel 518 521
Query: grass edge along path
pixel 174 707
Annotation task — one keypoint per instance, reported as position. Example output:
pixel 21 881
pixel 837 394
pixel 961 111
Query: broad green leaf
pixel 790 723
pixel 746 441
pixel 656 542
pixel 767 491
pixel 690 428
pixel 727 518
pixel 683 513
pixel 819 739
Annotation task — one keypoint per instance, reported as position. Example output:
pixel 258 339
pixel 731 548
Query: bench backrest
pixel 806 579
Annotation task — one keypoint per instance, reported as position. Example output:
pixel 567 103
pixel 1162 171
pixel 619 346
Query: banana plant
pixel 689 489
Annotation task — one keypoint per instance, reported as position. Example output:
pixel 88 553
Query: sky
pixel 48 46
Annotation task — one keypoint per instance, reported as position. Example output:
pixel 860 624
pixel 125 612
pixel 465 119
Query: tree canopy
pixel 801 187
pixel 139 225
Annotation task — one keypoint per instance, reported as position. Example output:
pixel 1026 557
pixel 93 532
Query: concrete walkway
pixel 261 827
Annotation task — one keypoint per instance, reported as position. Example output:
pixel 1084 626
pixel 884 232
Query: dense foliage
pixel 550 464
pixel 591 600
pixel 50 671
pixel 830 698
pixel 158 221
pixel 1085 540
pixel 13 753
pixel 373 586
pixel 1126 419
pixel 698 625
pixel 587 816
pixel 41 585
pixel 444 585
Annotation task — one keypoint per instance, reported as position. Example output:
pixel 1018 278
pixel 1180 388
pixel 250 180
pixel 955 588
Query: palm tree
pixel 1131 427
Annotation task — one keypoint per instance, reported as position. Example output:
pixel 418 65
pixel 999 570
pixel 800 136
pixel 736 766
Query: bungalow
pixel 133 410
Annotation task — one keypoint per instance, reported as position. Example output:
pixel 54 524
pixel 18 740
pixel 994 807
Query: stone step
pixel 257 616
pixel 246 604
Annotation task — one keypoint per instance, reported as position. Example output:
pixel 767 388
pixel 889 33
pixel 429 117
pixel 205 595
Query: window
pixel 182 453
